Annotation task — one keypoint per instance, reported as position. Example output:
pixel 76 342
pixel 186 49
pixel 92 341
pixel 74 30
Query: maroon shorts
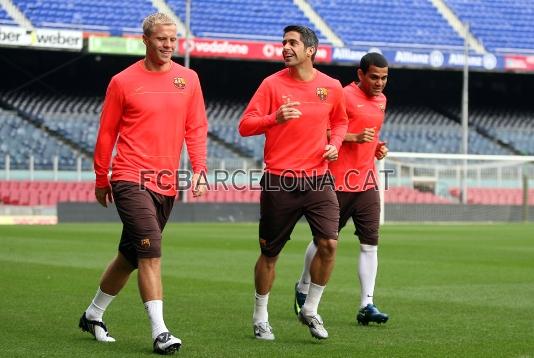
pixel 144 214
pixel 364 208
pixel 285 200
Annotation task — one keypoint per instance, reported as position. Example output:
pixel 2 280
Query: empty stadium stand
pixel 253 19
pixel 45 193
pixel 22 140
pixel 115 17
pixel 408 128
pixel 512 126
pixel 76 119
pixel 5 19
pixel 499 25
pixel 49 193
pixel 406 195
pixel 395 23
pixel 495 196
pixel 228 195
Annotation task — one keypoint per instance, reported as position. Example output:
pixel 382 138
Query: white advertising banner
pixel 14 36
pixel 43 38
pixel 60 39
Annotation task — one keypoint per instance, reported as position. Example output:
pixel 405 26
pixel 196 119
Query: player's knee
pixel 150 262
pixel 272 248
pixel 326 247
pixel 125 263
pixel 267 262
pixel 130 255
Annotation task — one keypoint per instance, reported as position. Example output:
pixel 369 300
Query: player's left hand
pixel 381 151
pixel 103 195
pixel 199 185
pixel 330 152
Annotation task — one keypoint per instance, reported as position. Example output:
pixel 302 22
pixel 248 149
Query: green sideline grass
pixel 451 291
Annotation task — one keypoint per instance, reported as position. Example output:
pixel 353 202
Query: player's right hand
pixel 287 112
pixel 103 195
pixel 366 136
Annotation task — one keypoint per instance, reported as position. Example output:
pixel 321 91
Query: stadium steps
pixel 447 112
pixel 456 23
pixel 319 23
pixel 38 123
pixel 236 150
pixel 16 14
pixel 163 7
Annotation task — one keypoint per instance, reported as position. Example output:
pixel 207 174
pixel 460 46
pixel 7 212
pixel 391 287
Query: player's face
pixel 161 44
pixel 374 81
pixel 294 51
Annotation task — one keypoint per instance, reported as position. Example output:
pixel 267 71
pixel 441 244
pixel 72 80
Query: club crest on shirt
pixel 145 243
pixel 322 93
pixel 179 82
pixel 382 107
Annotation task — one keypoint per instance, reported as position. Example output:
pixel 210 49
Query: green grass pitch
pixel 450 290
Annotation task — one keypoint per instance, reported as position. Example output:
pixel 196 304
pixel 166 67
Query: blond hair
pixel 156 19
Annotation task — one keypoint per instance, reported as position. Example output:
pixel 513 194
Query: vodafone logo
pixel 271 50
pixel 203 47
pixel 215 47
pixel 188 45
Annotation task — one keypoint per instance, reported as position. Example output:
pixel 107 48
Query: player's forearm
pixel 102 156
pixel 337 134
pixel 351 137
pixel 197 154
pixel 101 166
pixel 196 142
pixel 252 124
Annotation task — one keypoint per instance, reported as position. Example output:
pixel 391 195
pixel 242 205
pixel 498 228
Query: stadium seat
pixel 398 23
pixel 499 25
pixel 115 17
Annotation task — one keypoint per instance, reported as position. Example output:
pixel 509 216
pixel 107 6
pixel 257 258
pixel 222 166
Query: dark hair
pixel 308 37
pixel 372 59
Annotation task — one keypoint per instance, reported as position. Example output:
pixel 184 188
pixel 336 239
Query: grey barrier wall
pixel 93 212
pixel 206 212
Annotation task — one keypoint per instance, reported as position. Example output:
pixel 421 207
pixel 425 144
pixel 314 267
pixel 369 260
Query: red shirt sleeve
pixel 107 133
pixel 257 117
pixel 196 129
pixel 339 122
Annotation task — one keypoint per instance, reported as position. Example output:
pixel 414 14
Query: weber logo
pixel 14 36
pixel 58 39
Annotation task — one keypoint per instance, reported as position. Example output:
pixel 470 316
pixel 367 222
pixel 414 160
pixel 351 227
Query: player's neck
pixel 156 67
pixel 304 72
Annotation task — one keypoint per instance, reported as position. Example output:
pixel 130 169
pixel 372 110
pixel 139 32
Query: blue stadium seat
pixel 393 22
pixel 5 19
pixel 20 140
pixel 499 25
pixel 116 17
pixel 253 19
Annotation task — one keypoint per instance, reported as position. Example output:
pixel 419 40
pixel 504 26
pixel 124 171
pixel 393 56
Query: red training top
pixel 297 145
pixel 355 168
pixel 151 113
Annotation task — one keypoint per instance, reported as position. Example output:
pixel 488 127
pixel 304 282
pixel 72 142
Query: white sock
pixel 312 300
pixel 367 269
pixel 100 302
pixel 305 278
pixel 260 308
pixel 154 309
